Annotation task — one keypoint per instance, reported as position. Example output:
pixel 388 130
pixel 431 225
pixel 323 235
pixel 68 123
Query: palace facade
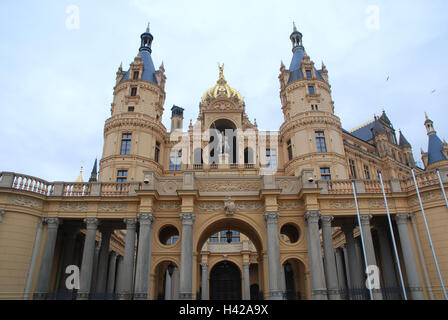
pixel 225 210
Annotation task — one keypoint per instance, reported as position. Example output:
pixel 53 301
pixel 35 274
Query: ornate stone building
pixel 227 211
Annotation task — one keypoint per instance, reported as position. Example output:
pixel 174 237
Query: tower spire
pixel 296 38
pixel 93 175
pixel 146 40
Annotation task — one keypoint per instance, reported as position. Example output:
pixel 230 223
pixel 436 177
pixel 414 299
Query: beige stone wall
pixel 17 234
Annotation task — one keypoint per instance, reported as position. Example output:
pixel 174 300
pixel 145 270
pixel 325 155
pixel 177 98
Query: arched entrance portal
pixel 294 281
pixel 225 282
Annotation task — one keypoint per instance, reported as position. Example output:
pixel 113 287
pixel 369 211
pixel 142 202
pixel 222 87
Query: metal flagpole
pixel 441 186
pixel 362 238
pixel 429 235
pixel 393 237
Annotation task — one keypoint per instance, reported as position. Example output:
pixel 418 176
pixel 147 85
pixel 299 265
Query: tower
pixel 177 118
pixel 134 134
pixel 437 155
pixel 311 133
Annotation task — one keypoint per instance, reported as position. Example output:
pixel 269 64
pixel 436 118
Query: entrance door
pixel 225 282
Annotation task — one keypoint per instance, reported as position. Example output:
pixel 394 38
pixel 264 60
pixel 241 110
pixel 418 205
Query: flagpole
pixel 441 186
pixel 393 237
pixel 362 239
pixel 429 235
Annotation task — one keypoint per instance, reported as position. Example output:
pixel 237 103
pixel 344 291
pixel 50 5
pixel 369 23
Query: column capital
pixel 92 223
pixel 327 220
pixel 401 218
pixel 271 216
pixel 312 216
pixel 412 217
pixel 187 218
pixel 204 265
pixel 146 218
pixel 52 222
pixel 365 219
pixel 131 223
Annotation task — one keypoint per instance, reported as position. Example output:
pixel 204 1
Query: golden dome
pixel 221 89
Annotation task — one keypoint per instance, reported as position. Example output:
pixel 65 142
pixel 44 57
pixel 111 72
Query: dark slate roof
pixel 295 68
pixel 364 133
pixel 148 68
pixel 435 149
pixel 403 141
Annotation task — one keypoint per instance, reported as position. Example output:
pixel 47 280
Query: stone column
pixel 87 258
pixel 175 283
pixel 70 234
pixel 168 286
pixel 246 276
pixel 111 273
pixel 101 282
pixel 347 267
pixel 204 291
pixel 128 260
pixel 32 269
pixel 283 280
pixel 119 276
pixel 421 258
pixel 330 262
pixel 186 257
pixel 354 266
pixel 43 282
pixel 341 273
pixel 370 252
pixel 143 269
pixel 96 258
pixel 318 286
pixel 274 267
pixel 387 260
pixel 414 283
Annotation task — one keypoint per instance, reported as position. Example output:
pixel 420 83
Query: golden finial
pixel 221 79
pixel 80 179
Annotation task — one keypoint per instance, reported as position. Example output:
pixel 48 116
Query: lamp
pixel 229 235
pixel 171 269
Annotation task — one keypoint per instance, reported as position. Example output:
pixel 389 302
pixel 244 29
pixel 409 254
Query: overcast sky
pixel 57 80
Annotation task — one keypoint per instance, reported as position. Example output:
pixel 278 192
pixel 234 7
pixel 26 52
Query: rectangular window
pixel 131 109
pixel 157 152
pixel 353 169
pixel 320 141
pixel 311 90
pixel 289 150
pixel 325 174
pixel 367 172
pixel 236 236
pixel 126 144
pixel 214 238
pixel 271 159
pixel 309 74
pixel 133 91
pixel 122 176
pixel 136 75
pixel 175 160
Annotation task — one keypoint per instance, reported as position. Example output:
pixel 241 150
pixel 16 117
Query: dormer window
pixel 311 90
pixel 136 73
pixel 309 75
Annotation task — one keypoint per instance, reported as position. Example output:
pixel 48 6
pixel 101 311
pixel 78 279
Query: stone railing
pixel 26 183
pixel 288 185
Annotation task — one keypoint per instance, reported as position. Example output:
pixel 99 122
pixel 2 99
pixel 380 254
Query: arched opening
pixel 290 233
pixel 232 239
pixel 225 282
pixel 294 279
pixel 168 235
pixel 166 281
pixel 223 141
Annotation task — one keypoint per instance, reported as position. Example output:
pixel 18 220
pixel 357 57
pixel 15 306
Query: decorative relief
pixel 289 186
pixel 112 207
pixel 427 196
pixel 73 206
pixel 169 187
pixel 228 186
pixel 342 204
pixel 26 202
pixel 229 205
pixel 249 205
pixel 377 203
pixel 290 205
pixel 209 206
pixel 168 205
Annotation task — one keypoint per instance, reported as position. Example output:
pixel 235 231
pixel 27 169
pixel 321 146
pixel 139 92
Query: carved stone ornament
pixel 112 207
pixel 26 202
pixel 73 206
pixel 230 207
